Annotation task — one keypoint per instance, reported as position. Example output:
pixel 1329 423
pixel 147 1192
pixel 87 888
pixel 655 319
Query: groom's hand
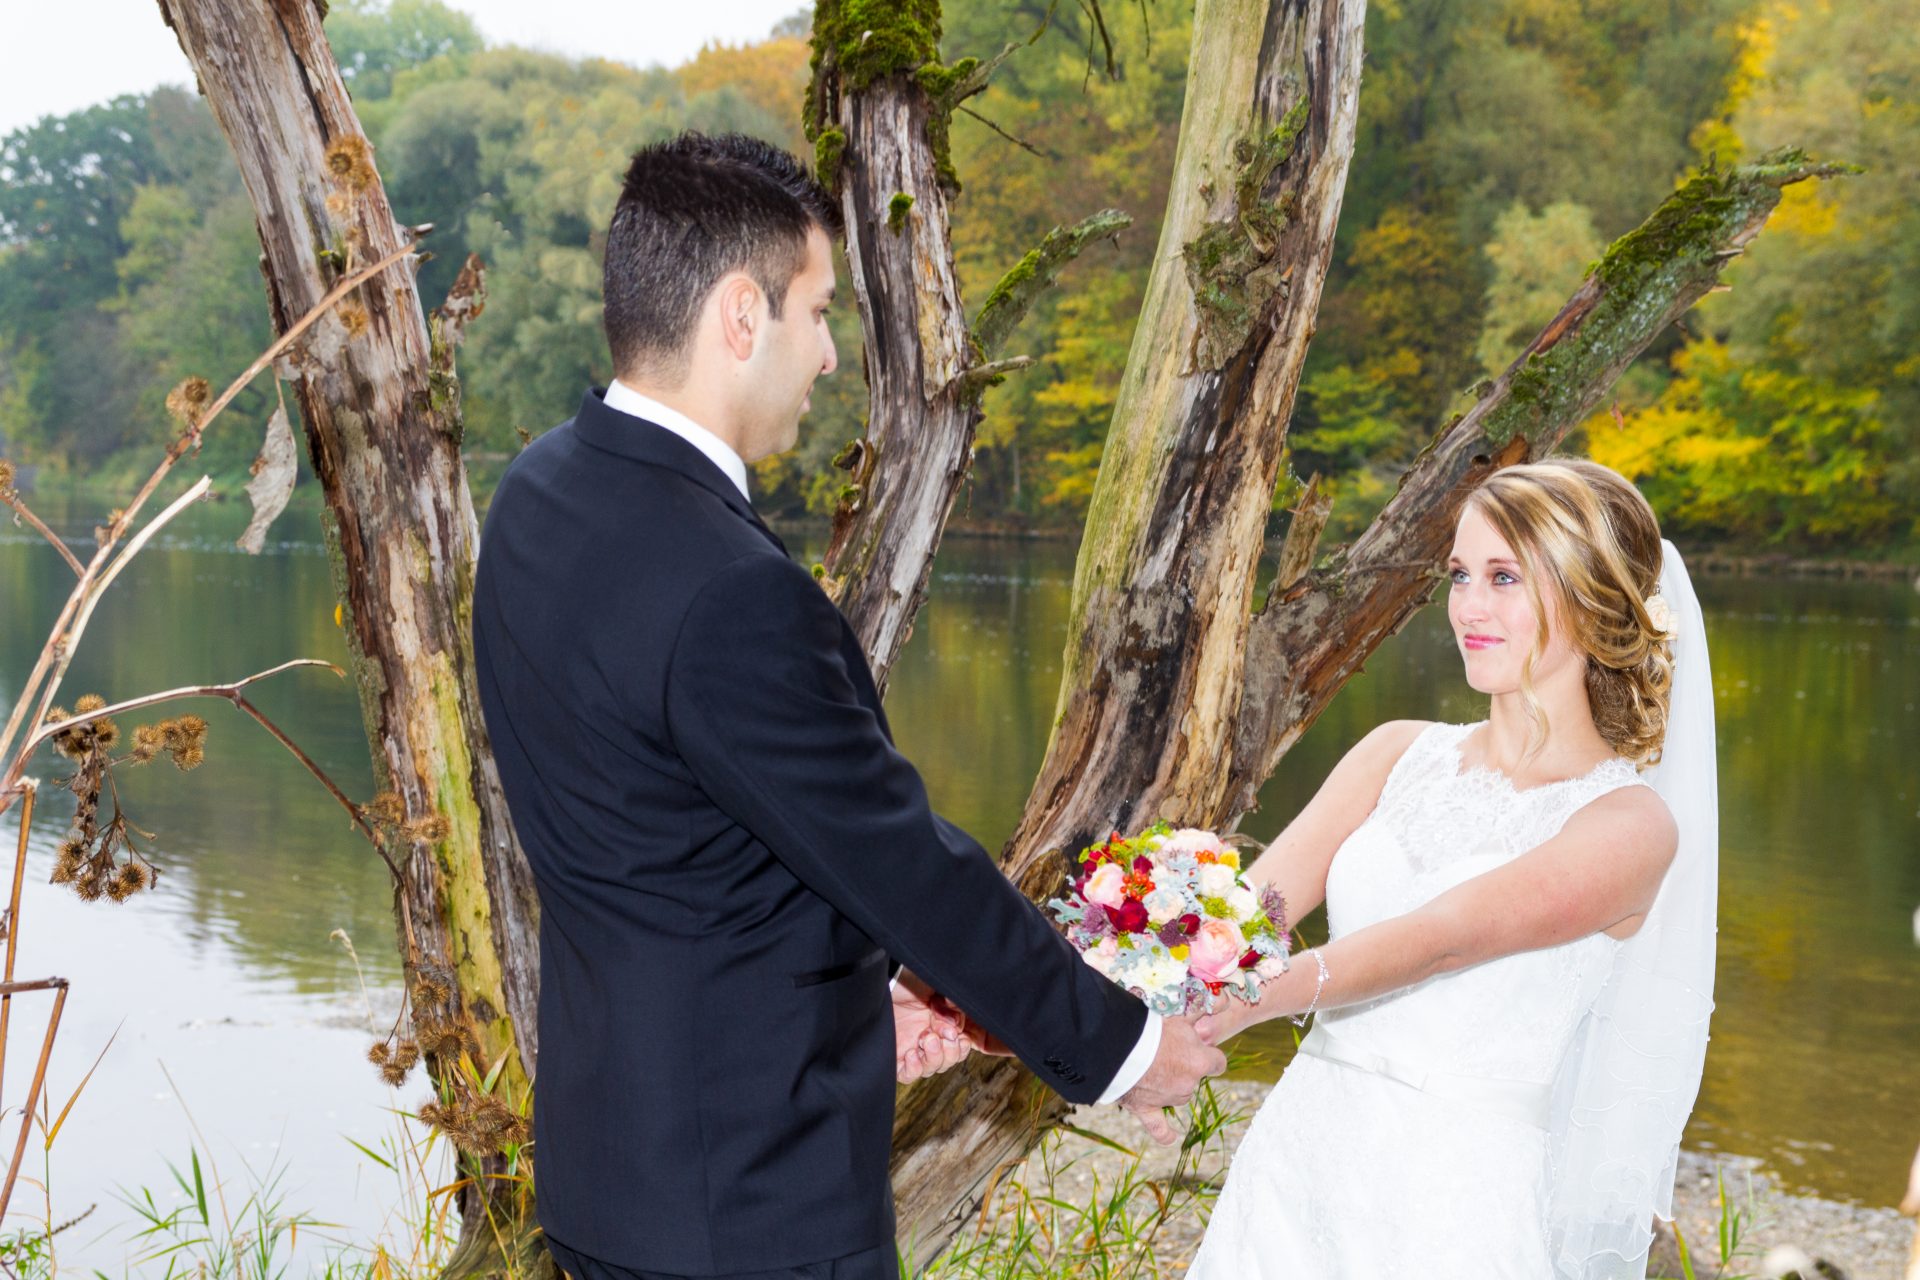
pixel 1182 1062
pixel 929 1034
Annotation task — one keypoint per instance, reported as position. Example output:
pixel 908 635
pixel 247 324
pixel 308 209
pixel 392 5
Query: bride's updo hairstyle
pixel 1584 534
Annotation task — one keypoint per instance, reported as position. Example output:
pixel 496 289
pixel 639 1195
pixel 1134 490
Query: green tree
pixel 1763 456
pixel 1537 260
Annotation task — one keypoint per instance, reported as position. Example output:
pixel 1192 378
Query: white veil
pixel 1631 1076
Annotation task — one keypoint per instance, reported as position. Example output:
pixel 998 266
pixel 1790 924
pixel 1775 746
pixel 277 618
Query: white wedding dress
pixel 1410 1137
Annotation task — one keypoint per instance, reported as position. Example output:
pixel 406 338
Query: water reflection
pixel 227 972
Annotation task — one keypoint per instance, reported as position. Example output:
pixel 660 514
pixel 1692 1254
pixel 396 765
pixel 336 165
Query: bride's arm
pixel 1296 862
pixel 1602 870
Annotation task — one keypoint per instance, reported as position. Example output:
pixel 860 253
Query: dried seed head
pixel 105 733
pixel 119 887
pixel 354 317
pixel 405 1055
pixel 88 702
pixel 432 986
pixel 69 863
pixel 90 888
pixel 432 829
pixel 339 205
pixel 394 1074
pixel 188 402
pixel 185 738
pixel 385 810
pixel 140 875
pixel 350 163
pixel 378 1053
pixel 6 476
pixel 148 741
pixel 56 714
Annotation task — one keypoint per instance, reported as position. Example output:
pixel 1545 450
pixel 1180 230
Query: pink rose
pixel 1107 886
pixel 1216 952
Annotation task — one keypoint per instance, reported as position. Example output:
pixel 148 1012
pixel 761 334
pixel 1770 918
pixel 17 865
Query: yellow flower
pixel 1180 952
pixel 1230 858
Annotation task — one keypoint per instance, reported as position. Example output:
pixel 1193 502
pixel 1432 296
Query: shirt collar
pixel 625 399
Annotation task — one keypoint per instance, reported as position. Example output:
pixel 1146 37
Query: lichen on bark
pixel 1009 299
pixel 1230 265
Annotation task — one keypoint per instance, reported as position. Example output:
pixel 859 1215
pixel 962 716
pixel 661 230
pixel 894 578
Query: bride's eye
pixel 1503 578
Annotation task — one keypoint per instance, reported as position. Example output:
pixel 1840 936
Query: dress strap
pixel 1520 1099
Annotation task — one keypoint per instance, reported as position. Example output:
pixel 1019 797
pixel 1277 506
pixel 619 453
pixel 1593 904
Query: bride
pixel 1511 1015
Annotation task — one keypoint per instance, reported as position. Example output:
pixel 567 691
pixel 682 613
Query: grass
pixel 1118 1231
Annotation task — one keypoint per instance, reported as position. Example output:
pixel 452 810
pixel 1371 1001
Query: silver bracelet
pixel 1300 1018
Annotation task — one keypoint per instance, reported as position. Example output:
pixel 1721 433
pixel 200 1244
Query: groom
pixel 730 855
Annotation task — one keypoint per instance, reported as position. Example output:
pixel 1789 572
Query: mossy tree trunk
pixel 878 111
pixel 381 406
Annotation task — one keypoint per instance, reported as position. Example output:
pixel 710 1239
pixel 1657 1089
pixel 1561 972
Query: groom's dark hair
pixel 694 208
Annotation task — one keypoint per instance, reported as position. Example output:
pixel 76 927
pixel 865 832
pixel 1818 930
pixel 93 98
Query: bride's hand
pixel 1229 1018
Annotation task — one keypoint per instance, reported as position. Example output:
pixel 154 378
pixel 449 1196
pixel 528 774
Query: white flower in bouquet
pixel 1243 902
pixel 1217 880
pixel 1164 904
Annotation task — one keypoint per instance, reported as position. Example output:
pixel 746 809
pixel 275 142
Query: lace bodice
pixel 1435 826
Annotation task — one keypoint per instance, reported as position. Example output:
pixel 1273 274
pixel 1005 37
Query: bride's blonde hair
pixel 1588 534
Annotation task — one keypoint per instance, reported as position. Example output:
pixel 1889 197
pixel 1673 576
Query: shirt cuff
pixel 1144 1051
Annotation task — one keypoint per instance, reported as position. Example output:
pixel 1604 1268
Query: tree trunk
pixel 381 407
pixel 877 111
pixel 1164 584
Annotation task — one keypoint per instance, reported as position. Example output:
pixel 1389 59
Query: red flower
pixel 1250 959
pixel 1190 923
pixel 1129 917
pixel 1143 864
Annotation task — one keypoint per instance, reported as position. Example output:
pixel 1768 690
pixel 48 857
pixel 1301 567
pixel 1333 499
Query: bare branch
pixel 12 499
pixel 1022 143
pixel 227 691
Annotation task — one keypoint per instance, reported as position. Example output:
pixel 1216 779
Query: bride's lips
pixel 1481 642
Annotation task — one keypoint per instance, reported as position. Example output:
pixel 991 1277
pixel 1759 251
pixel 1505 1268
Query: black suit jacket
pixel 728 849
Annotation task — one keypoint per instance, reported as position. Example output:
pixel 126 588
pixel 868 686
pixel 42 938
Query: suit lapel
pixel 648 442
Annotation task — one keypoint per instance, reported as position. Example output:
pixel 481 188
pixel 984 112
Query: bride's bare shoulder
pixel 1366 765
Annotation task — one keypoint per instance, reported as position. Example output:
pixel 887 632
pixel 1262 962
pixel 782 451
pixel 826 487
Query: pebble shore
pixel 1854 1242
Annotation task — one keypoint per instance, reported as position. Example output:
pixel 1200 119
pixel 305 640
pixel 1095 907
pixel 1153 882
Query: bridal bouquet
pixel 1168 916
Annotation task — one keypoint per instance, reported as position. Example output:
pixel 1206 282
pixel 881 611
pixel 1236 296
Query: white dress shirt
pixel 624 398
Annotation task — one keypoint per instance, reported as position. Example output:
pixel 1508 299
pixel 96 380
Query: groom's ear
pixel 739 306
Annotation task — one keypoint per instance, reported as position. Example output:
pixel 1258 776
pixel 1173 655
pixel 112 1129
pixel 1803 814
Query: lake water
pixel 235 1011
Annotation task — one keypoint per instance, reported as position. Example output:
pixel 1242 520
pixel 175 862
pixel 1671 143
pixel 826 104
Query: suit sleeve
pixel 764 712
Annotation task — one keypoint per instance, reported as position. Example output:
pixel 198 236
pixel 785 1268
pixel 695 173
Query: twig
pixel 13 924
pixel 59 989
pixel 12 499
pixel 1022 143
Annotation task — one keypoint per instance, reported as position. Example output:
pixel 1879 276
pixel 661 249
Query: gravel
pixel 1844 1240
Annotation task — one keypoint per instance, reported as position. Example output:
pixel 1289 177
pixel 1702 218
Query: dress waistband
pixel 1522 1100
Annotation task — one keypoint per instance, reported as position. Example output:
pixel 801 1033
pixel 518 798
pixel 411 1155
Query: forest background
pixel 1502 144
